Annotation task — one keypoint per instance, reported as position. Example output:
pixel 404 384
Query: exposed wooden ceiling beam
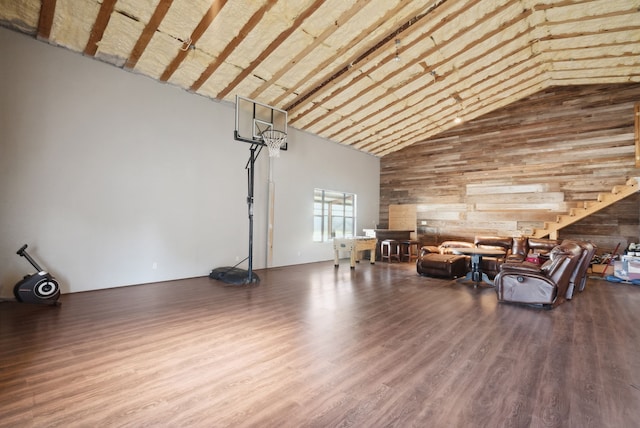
pixel 420 40
pixel 439 112
pixel 45 22
pixel 272 47
pixel 149 30
pixel 202 26
pixel 517 90
pixel 317 41
pixel 496 96
pixel 310 75
pixel 495 68
pixel 379 48
pixel 104 15
pixel 510 48
pixel 331 67
pixel 244 31
pixel 359 131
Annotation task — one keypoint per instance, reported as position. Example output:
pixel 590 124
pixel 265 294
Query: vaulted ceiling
pixel 377 75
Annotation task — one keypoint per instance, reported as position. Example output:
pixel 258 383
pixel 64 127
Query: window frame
pixel 324 220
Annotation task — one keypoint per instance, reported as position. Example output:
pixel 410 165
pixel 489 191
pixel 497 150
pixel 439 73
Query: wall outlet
pixel 154 266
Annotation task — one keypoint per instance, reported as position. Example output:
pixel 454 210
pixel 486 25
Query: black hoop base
pixel 234 276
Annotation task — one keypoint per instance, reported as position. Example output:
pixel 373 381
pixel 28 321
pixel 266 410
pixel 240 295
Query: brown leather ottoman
pixel 442 265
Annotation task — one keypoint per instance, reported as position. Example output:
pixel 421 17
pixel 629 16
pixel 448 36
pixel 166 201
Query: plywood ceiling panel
pixel 332 65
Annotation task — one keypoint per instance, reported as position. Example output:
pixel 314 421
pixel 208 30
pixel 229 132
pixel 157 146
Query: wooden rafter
pixel 272 47
pixel 399 101
pixel 392 120
pixel 442 95
pixel 202 26
pixel 517 55
pixel 442 116
pixel 516 90
pixel 468 71
pixel 104 15
pixel 317 41
pixel 450 60
pixel 149 30
pixel 297 110
pixel 45 22
pixel 330 119
pixel 220 59
pixel 333 70
pixel 351 61
pixel 502 78
pixel 636 126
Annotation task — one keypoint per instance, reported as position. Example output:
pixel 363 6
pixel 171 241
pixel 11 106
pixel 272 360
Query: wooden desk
pixel 476 275
pixel 354 245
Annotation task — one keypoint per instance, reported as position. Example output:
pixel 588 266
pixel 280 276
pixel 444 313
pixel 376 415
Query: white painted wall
pixel 104 173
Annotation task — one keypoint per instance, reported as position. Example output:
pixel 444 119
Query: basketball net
pixel 274 141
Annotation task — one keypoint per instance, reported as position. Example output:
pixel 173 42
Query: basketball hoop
pixel 274 141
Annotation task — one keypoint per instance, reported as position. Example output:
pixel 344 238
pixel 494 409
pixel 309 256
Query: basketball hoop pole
pixel 231 275
pixel 262 126
pixel 251 179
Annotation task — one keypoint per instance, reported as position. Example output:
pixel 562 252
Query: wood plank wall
pixel 509 171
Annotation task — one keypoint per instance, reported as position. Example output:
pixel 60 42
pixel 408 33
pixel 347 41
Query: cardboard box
pixel 600 268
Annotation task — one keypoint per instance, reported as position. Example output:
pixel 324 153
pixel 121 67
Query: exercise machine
pixel 40 287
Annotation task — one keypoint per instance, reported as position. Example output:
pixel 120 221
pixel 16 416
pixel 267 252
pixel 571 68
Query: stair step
pixel 586 208
pixel 620 189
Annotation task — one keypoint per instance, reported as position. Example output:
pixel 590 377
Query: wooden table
pixel 476 275
pixel 354 245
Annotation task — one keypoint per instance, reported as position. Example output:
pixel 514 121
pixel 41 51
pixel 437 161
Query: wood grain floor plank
pixel 314 346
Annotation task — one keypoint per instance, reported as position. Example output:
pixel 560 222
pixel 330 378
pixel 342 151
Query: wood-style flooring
pixel 314 346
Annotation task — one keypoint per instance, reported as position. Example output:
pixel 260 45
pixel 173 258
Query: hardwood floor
pixel 314 346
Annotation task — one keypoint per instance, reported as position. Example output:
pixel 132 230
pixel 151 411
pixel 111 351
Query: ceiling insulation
pixel 377 75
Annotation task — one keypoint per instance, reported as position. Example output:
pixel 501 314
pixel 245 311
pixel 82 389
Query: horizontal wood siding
pixel 509 171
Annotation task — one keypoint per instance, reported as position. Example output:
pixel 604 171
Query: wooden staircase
pixel 587 208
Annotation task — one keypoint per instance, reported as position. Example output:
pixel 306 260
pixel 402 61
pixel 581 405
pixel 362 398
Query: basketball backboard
pixel 253 118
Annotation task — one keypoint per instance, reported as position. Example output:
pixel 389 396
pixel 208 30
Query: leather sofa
pixel 441 262
pixel 550 284
pixel 516 250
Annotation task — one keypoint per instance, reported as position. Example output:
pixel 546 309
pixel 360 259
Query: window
pixel 334 215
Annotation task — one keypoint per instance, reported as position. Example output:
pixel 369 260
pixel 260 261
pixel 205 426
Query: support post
pixel 251 178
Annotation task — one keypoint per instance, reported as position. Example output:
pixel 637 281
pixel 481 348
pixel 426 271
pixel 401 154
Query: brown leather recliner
pixel 578 279
pixel 542 246
pixel 523 247
pixel 545 285
pixel 491 265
